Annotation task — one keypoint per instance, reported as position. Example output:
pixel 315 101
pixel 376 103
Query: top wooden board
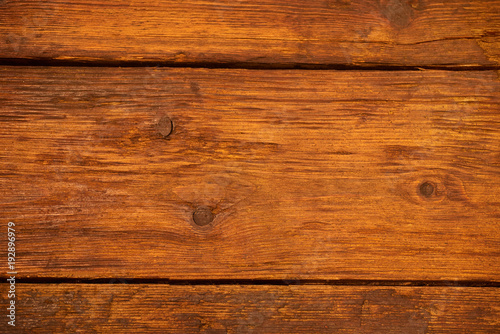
pixel 247 33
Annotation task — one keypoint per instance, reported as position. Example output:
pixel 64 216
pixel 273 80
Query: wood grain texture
pixel 352 32
pixel 81 308
pixel 308 174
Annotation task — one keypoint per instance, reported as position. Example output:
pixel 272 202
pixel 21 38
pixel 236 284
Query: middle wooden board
pixel 309 174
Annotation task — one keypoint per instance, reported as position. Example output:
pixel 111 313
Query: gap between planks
pixel 241 65
pixel 166 281
pixel 71 308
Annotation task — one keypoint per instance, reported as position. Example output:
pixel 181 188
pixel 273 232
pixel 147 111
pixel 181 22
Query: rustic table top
pixel 250 166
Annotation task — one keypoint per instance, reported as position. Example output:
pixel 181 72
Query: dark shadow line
pixel 159 281
pixel 239 65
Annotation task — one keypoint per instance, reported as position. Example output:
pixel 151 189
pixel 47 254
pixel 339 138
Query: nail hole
pixel 427 189
pixel 203 216
pixel 165 126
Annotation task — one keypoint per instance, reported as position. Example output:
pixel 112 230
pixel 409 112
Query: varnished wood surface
pixel 186 176
pixel 308 174
pixel 104 308
pixel 277 32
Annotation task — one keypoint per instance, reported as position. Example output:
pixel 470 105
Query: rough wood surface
pixel 306 174
pixel 353 32
pixel 81 308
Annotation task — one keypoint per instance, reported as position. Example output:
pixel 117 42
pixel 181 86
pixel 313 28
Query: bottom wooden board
pixel 143 308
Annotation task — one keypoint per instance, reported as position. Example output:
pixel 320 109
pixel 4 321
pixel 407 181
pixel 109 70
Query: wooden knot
pixel 427 189
pixel 203 216
pixel 165 126
pixel 430 188
pixel 399 13
pixel 433 188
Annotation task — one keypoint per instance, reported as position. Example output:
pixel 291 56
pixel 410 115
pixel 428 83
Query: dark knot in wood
pixel 427 189
pixel 203 216
pixel 165 126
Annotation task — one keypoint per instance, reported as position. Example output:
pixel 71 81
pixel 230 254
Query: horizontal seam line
pixel 240 65
pixel 270 282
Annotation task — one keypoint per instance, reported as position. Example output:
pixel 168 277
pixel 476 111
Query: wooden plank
pixel 307 174
pixel 352 32
pixel 72 308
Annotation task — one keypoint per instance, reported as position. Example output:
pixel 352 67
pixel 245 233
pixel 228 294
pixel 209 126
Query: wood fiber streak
pixel 277 32
pixel 71 308
pixel 308 174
